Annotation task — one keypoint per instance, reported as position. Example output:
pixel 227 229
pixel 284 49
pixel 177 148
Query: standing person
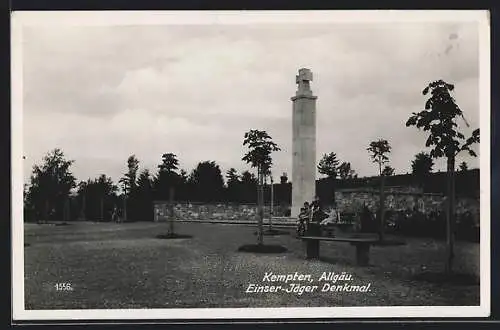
pixel 316 216
pixel 114 214
pixel 315 205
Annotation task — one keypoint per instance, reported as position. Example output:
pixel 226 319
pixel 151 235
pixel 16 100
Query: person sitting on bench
pixel 317 213
pixel 303 221
pixel 332 217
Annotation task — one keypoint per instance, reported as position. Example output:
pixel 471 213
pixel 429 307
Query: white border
pixel 67 18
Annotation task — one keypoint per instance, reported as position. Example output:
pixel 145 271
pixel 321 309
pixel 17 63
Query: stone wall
pixel 348 201
pixel 352 200
pixel 212 212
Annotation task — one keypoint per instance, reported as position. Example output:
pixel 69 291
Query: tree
pixel 379 151
pixel 129 180
pixel 183 175
pixel 97 197
pixel 145 195
pixel 129 185
pixel 329 165
pixel 439 119
pixel 183 185
pixel 166 182
pixel 106 189
pixel 260 147
pixel 169 164
pixel 144 180
pixel 388 171
pixel 167 179
pixel 345 171
pixel 207 182
pixel 248 187
pixel 233 184
pixel 463 167
pixel 232 177
pixel 422 167
pixel 50 186
pixel 248 178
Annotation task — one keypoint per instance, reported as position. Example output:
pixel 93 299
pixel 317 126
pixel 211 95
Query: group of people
pixel 312 216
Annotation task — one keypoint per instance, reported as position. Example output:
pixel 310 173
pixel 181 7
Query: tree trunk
pixel 381 232
pixel 450 215
pixel 260 200
pixel 171 211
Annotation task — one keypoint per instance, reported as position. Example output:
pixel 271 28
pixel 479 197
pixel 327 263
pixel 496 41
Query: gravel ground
pixel 125 266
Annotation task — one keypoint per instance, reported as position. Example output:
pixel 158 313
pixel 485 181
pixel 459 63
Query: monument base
pixel 295 211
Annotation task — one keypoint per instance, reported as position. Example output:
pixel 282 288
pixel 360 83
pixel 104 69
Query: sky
pixel 102 93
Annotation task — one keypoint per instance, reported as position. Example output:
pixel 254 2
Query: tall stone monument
pixel 303 142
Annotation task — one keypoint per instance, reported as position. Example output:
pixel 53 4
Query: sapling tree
pixel 260 146
pixel 445 140
pixel 379 151
pixel 129 182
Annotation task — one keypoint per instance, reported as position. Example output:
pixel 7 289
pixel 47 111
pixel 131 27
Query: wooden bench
pixel 362 245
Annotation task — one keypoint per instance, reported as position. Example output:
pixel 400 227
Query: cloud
pixel 103 93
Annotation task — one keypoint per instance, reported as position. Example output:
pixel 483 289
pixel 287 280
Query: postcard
pixel 186 165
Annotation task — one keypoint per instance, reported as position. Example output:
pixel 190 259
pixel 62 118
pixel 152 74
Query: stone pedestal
pixel 303 143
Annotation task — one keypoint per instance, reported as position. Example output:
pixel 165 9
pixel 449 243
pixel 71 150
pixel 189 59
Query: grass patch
pixel 173 236
pixel 262 248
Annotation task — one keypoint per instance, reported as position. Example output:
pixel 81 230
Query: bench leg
pixel 363 254
pixel 312 249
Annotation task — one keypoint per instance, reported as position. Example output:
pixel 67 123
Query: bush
pixel 368 222
pixel 433 225
pixel 466 228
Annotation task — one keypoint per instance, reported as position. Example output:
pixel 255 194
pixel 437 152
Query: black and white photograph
pixel 250 164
